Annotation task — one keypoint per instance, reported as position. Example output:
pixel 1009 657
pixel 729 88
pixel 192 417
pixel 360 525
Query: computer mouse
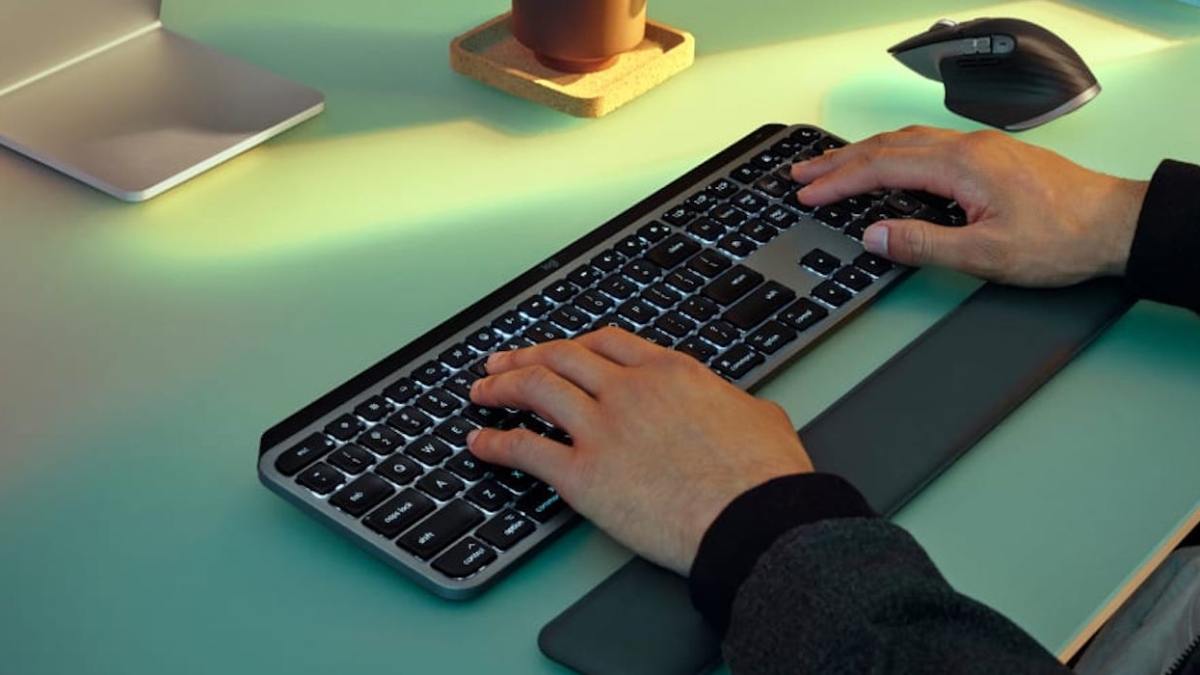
pixel 1007 73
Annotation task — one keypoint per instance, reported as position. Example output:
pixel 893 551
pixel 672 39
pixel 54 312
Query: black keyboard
pixel 724 264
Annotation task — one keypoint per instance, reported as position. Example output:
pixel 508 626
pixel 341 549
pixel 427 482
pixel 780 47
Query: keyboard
pixel 723 264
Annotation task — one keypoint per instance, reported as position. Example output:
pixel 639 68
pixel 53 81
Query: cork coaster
pixel 493 56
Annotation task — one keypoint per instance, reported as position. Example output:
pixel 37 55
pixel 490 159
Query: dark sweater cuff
pixel 751 524
pixel 1162 261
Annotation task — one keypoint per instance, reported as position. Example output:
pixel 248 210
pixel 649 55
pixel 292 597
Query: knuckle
pixel 536 377
pixel 916 242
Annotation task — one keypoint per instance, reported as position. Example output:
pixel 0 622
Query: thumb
pixel 917 243
pixel 522 449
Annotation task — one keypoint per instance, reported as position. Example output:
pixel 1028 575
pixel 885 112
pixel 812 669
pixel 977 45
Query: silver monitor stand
pixel 103 92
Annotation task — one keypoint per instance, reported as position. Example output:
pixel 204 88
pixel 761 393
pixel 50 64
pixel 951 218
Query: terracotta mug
pixel 579 36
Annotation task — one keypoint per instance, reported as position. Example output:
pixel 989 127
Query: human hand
pixel 660 445
pixel 1034 217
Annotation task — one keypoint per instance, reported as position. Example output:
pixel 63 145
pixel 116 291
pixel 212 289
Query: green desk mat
pixel 144 348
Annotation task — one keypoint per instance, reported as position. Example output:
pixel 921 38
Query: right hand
pixel 1034 217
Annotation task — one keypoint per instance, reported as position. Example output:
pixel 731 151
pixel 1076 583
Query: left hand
pixel 661 445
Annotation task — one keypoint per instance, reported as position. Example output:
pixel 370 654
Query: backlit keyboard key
pixel 738 361
pixel 441 529
pixel 506 530
pixel 362 495
pixel 464 559
pixel 312 448
pixel 832 294
pixel 430 373
pixel 400 513
pixel 440 484
pixel 351 459
pixel 672 251
pixel 803 314
pixel 321 478
pixel 399 469
pixel 373 409
pixel 345 427
pixel 408 420
pixel 381 440
pixel 429 450
pixel 733 284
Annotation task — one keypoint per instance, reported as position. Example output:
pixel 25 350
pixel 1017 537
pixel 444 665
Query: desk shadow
pixel 1168 18
pixel 383 79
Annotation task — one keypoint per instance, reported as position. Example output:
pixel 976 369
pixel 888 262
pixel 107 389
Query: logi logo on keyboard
pixel 550 265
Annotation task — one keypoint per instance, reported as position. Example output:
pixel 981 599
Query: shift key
pixel 441 529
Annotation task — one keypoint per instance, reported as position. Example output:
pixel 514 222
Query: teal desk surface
pixel 144 348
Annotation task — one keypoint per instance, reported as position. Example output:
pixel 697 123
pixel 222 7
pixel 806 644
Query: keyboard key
pixel 766 161
pixel 608 261
pixel 430 373
pixel 614 321
pixel 856 229
pixel 738 361
pixel 402 391
pixel 351 459
pixel 454 431
pixel 904 204
pixel 541 503
pixel 792 199
pixel 675 324
pixel 484 340
pixel 399 469
pixel 723 188
pixel 512 345
pixel 685 281
pixel 440 484
pixel 362 495
pixel 833 216
pixel 535 307
pixel 460 383
pixel 729 215
pixel 561 291
pixel 803 314
pixel 399 513
pixel 618 287
pixel 345 427
pixel 457 356
pixel 762 303
pixel 746 174
pixel 759 231
pixel 697 349
pixel 737 245
pixel 466 558
pixel 441 529
pixel 570 319
pixel 656 336
pixel 506 530
pixel 706 229
pixel 307 451
pixel 321 478
pixel 857 205
pixel 510 323
pixel 832 294
pixel 594 302
pixel 699 308
pixel 381 440
pixel 468 466
pixel 672 251
pixel 774 185
pixel 654 232
pixel 720 333
pixel 826 144
pixel 489 496
pixel 631 246
pixel 771 337
pixel 373 409
pixel 820 262
pixel 678 216
pixel 749 202
pixel 702 202
pixel 437 403
pixel 429 450
pixel 873 264
pixel 853 278
pixel 709 263
pixel 779 217
pixel 733 284
pixel 515 480
pixel 661 295
pixel 643 272
pixel 485 417
pixel 805 135
pixel 585 275
pixel 638 311
pixel 545 332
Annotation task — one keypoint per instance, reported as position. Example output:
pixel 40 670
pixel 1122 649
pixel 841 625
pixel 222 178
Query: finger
pixel 620 346
pixel 541 390
pixel 908 137
pixel 570 359
pixel 904 168
pixel 522 449
pixel 918 243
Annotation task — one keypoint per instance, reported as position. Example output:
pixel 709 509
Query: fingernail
pixel 471 437
pixel 875 239
pixel 493 360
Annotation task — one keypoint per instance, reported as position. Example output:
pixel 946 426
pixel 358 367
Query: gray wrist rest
pixel 640 619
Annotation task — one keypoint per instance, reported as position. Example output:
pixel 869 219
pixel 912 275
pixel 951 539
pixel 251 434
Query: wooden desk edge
pixel 1135 581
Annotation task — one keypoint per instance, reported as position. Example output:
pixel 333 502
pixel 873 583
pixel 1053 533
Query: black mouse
pixel 1007 73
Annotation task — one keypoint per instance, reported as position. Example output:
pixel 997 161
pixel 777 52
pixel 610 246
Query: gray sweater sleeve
pixel 858 596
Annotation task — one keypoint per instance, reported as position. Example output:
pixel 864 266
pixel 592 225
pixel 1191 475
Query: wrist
pixel 1118 224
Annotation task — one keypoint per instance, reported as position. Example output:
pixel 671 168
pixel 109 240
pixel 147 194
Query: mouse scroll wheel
pixel 943 23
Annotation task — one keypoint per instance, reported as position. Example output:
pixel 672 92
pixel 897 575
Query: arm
pixel 794 567
pixel 1035 218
